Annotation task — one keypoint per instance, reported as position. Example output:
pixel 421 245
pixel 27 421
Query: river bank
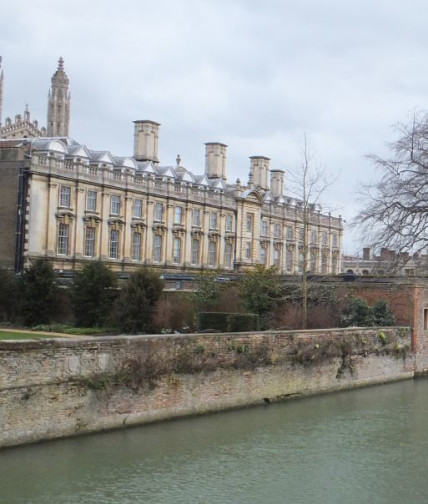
pixel 58 388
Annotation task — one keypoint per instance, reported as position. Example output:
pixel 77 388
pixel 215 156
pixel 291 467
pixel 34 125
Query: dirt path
pixel 46 333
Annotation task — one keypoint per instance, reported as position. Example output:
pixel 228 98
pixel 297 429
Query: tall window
pixel 136 246
pixel 115 205
pixel 212 253
pixel 158 211
pixel 64 196
pixel 277 258
pixel 195 251
pixel 228 251
pixel 229 222
pixel 277 231
pixel 177 214
pixel 263 255
pixel 313 237
pixel 63 235
pixel 157 248
pixel 248 250
pixel 91 201
pixel 196 217
pixel 301 235
pixel 324 238
pixel 264 230
pixel 289 233
pixel 313 262
pixel 249 222
pixel 289 260
pixel 89 242
pixel 114 244
pixel 301 259
pixel 213 220
pixel 334 239
pixel 138 208
pixel 176 252
pixel 324 264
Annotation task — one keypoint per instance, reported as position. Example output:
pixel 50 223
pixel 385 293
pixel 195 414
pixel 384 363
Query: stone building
pixel 65 202
pixel 58 112
pixel 387 262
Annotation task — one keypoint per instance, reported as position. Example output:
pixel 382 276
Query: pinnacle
pixel 61 64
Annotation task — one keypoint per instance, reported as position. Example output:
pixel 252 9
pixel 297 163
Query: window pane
pixel 136 246
pixel 158 211
pixel 176 251
pixel 212 253
pixel 196 218
pixel 115 205
pixel 157 248
pixel 177 215
pixel 62 246
pixel 64 196
pixel 91 201
pixel 138 208
pixel 229 223
pixel 90 242
pixel 228 255
pixel 195 251
pixel 213 220
pixel 114 244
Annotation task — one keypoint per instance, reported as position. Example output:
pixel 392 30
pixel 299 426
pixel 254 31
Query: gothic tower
pixel 1 92
pixel 59 103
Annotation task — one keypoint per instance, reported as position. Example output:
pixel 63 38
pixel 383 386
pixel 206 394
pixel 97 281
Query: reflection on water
pixel 363 446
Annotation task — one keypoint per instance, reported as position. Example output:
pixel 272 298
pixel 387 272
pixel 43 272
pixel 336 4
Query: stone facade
pixel 57 388
pixel 83 205
pixel 58 115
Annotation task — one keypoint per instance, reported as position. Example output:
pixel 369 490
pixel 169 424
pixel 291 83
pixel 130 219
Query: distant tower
pixel 1 92
pixel 59 103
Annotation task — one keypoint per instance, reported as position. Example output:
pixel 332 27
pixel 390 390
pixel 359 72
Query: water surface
pixel 362 446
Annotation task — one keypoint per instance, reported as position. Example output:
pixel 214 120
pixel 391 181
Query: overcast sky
pixel 255 75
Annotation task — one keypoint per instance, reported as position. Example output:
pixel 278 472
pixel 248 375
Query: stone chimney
pixel 277 182
pixel 366 254
pixel 146 136
pixel 215 160
pixel 259 167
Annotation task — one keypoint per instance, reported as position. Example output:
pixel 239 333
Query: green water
pixel 362 446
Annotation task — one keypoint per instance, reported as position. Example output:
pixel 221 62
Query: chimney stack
pixel 259 167
pixel 146 136
pixel 277 182
pixel 215 160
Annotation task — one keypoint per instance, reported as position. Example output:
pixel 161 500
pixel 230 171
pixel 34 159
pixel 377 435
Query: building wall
pixel 58 388
pixel 49 175
pixel 11 164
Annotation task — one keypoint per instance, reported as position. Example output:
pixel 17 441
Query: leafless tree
pixel 307 183
pixel 395 211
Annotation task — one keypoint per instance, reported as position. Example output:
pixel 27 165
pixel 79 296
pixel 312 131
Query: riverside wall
pixel 57 388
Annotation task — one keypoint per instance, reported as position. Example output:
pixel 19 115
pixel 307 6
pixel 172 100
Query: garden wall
pixel 56 388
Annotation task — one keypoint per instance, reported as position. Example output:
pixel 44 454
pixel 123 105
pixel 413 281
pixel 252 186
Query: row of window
pixel 115 206
pixel 158 243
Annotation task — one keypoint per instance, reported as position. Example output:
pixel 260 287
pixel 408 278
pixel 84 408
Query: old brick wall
pixel 9 180
pixel 57 388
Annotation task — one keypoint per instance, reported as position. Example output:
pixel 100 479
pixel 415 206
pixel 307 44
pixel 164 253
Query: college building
pixel 62 201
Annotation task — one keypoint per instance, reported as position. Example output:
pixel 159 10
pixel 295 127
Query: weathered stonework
pixel 58 388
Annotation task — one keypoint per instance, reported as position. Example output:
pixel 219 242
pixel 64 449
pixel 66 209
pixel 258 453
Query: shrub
pixel 174 311
pixel 93 293
pixel 382 314
pixel 134 308
pixel 38 293
pixel 357 313
pixel 8 295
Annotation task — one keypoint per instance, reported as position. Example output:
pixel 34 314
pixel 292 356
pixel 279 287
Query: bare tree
pixel 395 211
pixel 308 184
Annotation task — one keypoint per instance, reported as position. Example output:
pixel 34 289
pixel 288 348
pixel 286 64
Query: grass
pixel 7 335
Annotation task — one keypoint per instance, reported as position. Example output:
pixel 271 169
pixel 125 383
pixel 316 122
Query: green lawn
pixel 5 335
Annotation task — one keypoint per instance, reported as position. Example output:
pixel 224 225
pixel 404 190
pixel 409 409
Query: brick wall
pixel 57 388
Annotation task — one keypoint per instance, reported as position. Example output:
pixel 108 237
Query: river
pixel 361 446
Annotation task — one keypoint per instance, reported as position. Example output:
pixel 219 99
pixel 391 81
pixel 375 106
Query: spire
pixel 59 103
